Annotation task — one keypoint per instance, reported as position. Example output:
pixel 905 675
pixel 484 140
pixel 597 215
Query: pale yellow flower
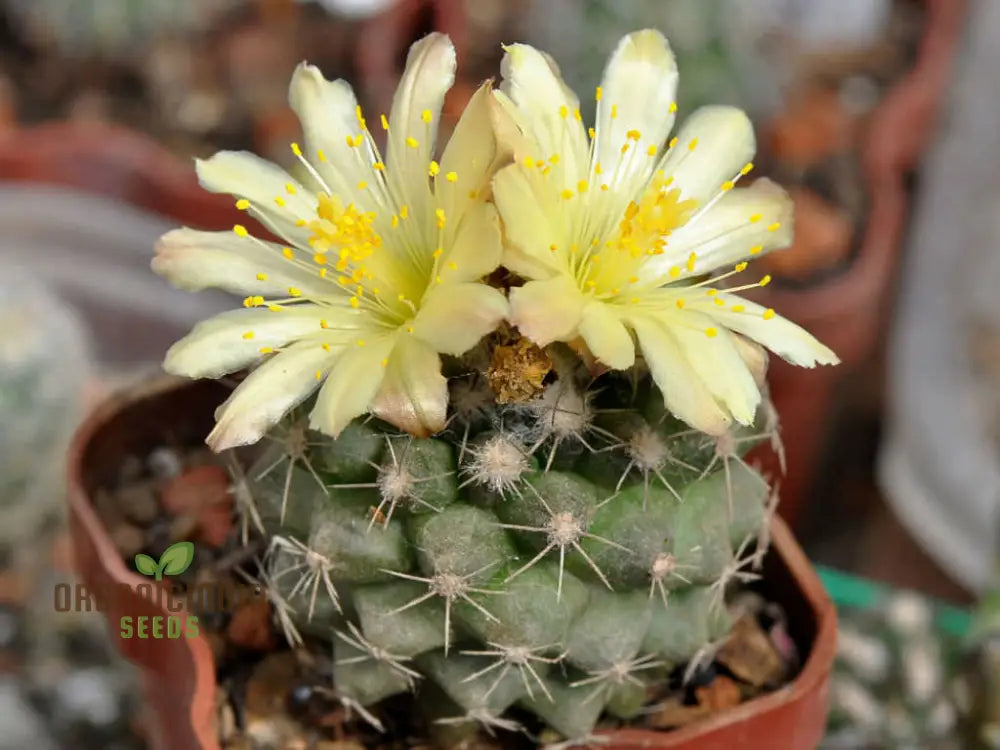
pixel 380 269
pixel 625 237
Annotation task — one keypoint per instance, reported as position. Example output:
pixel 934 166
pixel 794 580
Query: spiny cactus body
pixel 563 555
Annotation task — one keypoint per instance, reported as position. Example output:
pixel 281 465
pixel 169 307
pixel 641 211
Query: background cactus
pixel 560 554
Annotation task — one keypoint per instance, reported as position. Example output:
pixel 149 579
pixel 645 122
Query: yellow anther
pixel 680 303
pixel 434 169
pixel 768 314
pixel 690 261
pixel 404 211
pixel 720 302
pixel 262 277
pixel 633 279
pixel 675 271
pixel 598 93
pixel 553 248
pixel 563 111
pixel 257 300
pixel 362 185
pixel 411 141
pixel 426 115
pixel 321 154
pixel 756 249
pixel 633 135
pixel 566 193
pixel 597 168
pixel 693 144
pixel 350 141
pixel 409 329
pixel 354 302
pixel 343 280
pixel 385 362
pixel 326 347
pixel 634 300
pixel 747 168
pixel 672 108
pixel 554 159
pixel 266 350
pixel 592 133
pixel 360 342
pixel 755 218
pixel 319 375
pixel 740 267
pixel 275 308
pixel 604 186
pixel 727 185
pixel 764 281
pixel 280 201
pixel 774 227
pixel 248 335
pixel 582 186
pixel 385 122
pixel 529 162
pixel 242 204
pixel 452 265
pixel 711 333
pixel 673 142
pixel 240 231
pixel 395 221
pixel 591 284
pixel 576 115
pixel 738 308
pixel 287 252
pixel 451 177
pixel 624 147
pixel 651 150
pixel 439 213
pixel 614 111
pixel 290 188
pixel 378 166
pixel 438 253
pixel 323 324
pixel 319 258
pixel 296 150
pixel 711 292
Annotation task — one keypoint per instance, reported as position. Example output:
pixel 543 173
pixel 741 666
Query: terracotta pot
pixel 849 312
pixel 179 675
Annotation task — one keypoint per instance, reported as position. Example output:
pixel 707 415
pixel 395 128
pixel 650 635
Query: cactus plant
pixel 547 518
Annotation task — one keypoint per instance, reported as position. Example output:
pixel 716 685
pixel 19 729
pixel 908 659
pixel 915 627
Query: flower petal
pixel 328 113
pixel 717 361
pixel 429 73
pixel 414 394
pixel 454 317
pixel 637 91
pixel 724 143
pixel 547 311
pixel 232 340
pixel 268 393
pixel 786 339
pixel 744 223
pixel 473 155
pixel 246 175
pixel 607 337
pixel 548 108
pixel 194 260
pixel 476 248
pixel 351 385
pixel 528 226
pixel 684 392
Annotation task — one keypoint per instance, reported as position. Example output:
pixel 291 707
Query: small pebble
pixel 165 463
pixel 130 470
pixel 129 539
pixel 137 501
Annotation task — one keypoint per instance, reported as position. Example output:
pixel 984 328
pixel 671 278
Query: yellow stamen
pixel 768 314
pixel 242 204
pixel 711 332
pixel 411 141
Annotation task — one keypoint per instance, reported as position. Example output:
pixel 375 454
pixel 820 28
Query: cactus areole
pixel 562 550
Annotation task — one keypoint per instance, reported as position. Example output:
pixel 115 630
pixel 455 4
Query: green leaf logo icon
pixel 175 560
